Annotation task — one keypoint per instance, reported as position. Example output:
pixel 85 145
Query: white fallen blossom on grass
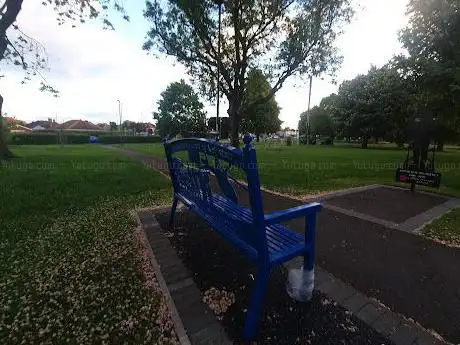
pixel 218 300
pixel 84 280
pixel 72 270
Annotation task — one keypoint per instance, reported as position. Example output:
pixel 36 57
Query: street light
pixel 119 113
pixel 308 112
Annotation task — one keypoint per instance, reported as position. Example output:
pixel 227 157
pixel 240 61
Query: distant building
pixel 16 126
pixel 42 125
pixel 104 126
pixel 145 129
pixel 79 126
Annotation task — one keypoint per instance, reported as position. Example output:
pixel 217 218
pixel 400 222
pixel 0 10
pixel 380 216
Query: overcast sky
pixel 92 68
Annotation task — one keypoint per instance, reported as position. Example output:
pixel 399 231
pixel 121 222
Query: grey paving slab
pixel 355 302
pixel 405 333
pixel 387 322
pixel 369 313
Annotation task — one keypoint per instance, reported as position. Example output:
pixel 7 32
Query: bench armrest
pixel 292 213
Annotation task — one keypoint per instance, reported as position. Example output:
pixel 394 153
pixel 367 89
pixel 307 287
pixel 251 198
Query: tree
pixel 180 111
pixel 5 153
pixel 282 38
pixel 128 126
pixel 264 117
pixel 364 104
pixel 321 122
pixel 432 39
pixel 321 118
pixel 22 50
pixel 113 127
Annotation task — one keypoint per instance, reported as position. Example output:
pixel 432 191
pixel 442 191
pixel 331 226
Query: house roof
pixel 79 125
pixel 42 123
pixel 19 128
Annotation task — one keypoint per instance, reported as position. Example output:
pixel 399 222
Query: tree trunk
pixel 235 140
pixel 234 114
pixel 258 137
pixel 364 142
pixel 8 17
pixel 440 146
pixel 5 153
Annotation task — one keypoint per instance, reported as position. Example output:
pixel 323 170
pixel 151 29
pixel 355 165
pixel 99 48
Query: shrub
pixel 289 141
pixel 116 139
pixel 59 138
pixel 327 141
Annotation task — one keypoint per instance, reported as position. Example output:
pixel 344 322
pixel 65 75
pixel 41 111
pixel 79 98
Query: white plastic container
pixel 300 284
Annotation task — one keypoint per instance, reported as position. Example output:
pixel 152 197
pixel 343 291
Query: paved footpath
pixel 413 276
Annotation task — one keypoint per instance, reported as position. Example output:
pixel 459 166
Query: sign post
pixel 418 167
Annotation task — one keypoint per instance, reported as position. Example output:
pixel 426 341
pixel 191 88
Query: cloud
pixel 93 68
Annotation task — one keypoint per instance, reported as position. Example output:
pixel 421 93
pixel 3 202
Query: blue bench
pixel 196 167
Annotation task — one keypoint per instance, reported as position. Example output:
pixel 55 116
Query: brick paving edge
pixel 194 322
pixel 177 321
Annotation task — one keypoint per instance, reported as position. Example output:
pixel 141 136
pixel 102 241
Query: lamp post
pixel 119 114
pixel 308 111
pixel 219 60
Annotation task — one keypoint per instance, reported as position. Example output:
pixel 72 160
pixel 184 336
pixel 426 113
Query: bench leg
pixel 173 212
pixel 255 305
pixel 310 237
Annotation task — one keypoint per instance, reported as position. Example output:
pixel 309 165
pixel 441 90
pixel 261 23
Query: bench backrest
pixel 191 161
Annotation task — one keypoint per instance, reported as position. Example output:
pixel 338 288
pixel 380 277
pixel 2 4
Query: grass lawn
pixel 71 265
pixel 446 229
pixel 301 170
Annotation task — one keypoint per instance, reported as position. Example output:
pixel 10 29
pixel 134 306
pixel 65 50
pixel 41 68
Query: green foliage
pixel 289 141
pixel 432 39
pixel 445 229
pixel 377 104
pixel 322 120
pixel 73 139
pixel 113 127
pixel 116 139
pixel 180 111
pixel 48 139
pixel 262 118
pixel 281 38
pixel 381 103
pixel 4 126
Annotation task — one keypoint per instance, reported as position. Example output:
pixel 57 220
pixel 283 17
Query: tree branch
pixel 284 75
pixel 24 65
pixel 264 25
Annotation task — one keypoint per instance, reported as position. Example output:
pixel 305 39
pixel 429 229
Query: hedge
pixel 72 139
pixel 114 139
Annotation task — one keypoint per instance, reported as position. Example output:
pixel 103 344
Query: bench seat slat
pixel 282 242
pixel 277 232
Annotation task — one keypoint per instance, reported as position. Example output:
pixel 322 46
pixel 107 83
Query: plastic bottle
pixel 300 284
